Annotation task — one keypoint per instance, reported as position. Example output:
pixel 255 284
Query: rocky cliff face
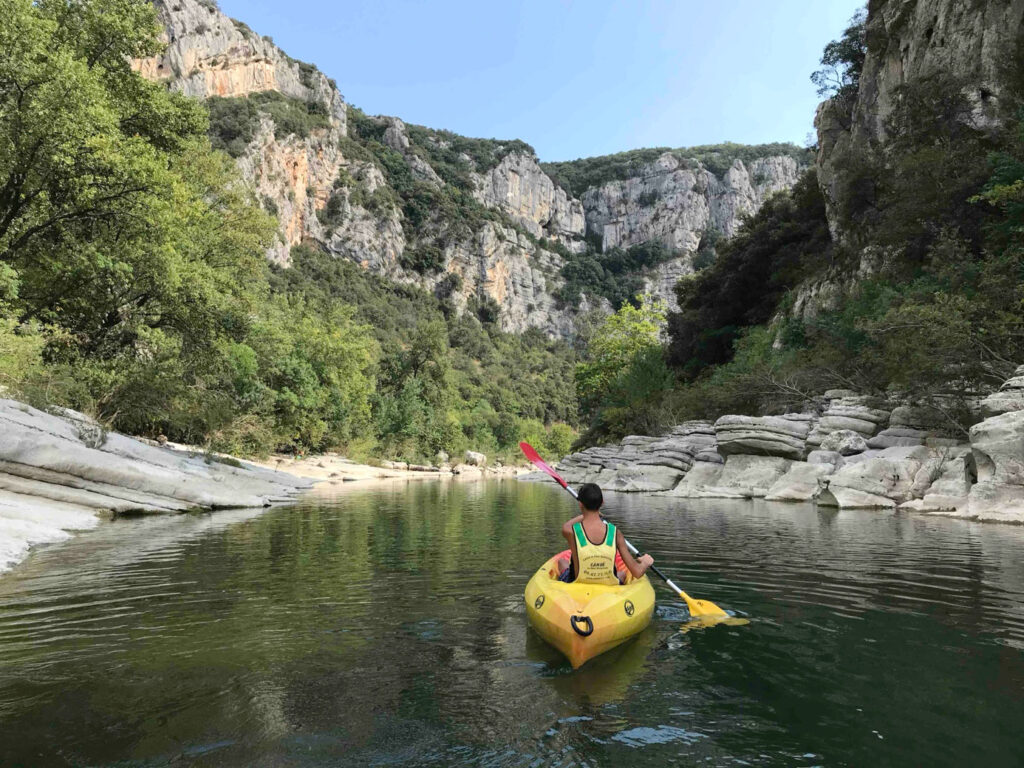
pixel 909 40
pixel 209 54
pixel 334 188
pixel 521 189
pixel 973 43
pixel 677 203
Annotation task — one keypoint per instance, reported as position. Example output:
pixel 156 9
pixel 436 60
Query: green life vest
pixel 596 561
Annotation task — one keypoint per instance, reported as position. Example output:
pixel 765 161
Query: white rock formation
pixel 849 412
pixel 803 482
pixel 882 480
pixel 57 473
pixel 783 436
pixel 209 54
pixel 997 445
pixel 1010 396
pixel 741 477
pixel 519 187
pixel 845 442
pixel 674 202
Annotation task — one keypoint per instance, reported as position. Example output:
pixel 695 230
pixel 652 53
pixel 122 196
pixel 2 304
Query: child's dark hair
pixel 591 497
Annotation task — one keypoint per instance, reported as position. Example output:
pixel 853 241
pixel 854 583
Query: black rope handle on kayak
pixel 573 620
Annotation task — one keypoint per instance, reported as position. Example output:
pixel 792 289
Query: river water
pixel 384 625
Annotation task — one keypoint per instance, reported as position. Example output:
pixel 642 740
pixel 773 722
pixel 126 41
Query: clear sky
pixel 574 78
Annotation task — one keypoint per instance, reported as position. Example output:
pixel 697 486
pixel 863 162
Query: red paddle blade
pixel 534 458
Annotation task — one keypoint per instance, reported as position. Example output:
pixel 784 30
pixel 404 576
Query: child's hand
pixel 646 561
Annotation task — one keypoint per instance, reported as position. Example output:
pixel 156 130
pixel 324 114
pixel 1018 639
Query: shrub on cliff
pixel 234 121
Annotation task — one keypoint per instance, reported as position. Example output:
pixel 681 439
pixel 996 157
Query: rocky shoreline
pixel 847 451
pixel 61 472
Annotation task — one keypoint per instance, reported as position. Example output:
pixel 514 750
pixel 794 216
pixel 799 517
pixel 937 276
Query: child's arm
pixel 637 567
pixel 567 528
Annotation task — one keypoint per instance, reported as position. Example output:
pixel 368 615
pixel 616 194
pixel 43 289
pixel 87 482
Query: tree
pixel 843 63
pixel 621 363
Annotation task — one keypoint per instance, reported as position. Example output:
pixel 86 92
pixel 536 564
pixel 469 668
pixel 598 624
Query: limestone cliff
pixel 472 220
pixel 908 40
pixel 677 202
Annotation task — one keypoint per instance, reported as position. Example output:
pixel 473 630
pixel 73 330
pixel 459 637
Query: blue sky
pixel 574 78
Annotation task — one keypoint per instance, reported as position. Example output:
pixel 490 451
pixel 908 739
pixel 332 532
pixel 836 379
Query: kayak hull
pixel 585 620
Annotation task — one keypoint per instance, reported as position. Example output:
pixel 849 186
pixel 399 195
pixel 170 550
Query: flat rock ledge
pixel 62 472
pixel 852 452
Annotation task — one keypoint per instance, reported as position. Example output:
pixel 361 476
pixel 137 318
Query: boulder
pixel 475 459
pixel 997 447
pixel 883 480
pixel 781 436
pixel 742 476
pixel 801 483
pixel 845 442
pixel 713 457
pixel 1010 396
pixel 701 476
pixel 948 486
pixel 898 437
pixel 644 478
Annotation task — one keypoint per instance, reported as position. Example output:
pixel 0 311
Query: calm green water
pixel 384 626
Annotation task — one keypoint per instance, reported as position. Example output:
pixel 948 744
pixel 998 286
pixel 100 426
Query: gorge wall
pixel 974 44
pixel 473 220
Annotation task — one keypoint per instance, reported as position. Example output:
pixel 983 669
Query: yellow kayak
pixel 584 620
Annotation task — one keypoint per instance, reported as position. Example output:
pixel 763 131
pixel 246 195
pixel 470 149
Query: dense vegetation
pixel 444 381
pixel 133 283
pixel 782 244
pixel 617 274
pixel 577 176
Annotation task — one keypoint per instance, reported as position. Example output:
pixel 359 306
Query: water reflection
pixel 384 625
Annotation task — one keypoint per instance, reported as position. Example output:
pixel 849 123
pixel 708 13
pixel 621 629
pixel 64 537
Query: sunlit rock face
pixel 521 189
pixel 209 54
pixel 675 202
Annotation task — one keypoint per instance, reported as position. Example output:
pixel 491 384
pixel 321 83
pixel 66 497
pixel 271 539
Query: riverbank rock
pixel 882 480
pixel 997 447
pixel 846 411
pixel 914 463
pixel 740 477
pixel 944 483
pixel 782 436
pixel 801 483
pixel 845 442
pixel 57 472
pixel 641 463
pixel 475 459
pixel 1010 396
pixel 910 426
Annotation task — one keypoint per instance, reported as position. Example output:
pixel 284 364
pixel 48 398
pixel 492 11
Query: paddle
pixel 699 609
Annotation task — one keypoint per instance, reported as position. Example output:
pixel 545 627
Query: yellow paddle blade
pixel 703 609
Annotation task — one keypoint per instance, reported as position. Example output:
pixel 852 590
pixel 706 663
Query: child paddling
pixel 598 553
